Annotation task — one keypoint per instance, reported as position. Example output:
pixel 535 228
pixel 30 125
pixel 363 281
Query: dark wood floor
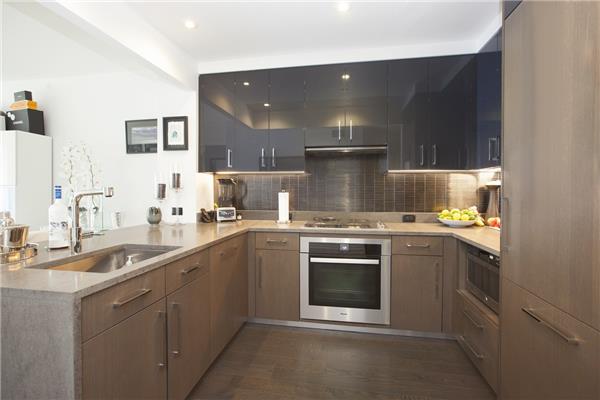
pixel 268 362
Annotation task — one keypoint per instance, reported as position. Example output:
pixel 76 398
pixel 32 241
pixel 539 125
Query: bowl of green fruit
pixel 461 218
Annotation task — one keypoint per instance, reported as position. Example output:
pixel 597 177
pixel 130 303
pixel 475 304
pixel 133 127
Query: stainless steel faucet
pixel 76 230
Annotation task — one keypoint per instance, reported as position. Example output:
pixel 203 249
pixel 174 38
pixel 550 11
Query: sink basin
pixel 111 259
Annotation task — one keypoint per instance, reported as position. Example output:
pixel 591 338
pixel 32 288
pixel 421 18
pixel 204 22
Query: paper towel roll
pixel 284 207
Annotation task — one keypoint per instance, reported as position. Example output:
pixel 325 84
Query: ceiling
pixel 245 35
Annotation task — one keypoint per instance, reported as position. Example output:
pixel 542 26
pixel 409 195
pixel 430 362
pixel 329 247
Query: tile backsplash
pixel 359 183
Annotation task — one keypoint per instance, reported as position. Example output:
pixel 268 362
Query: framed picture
pixel 141 136
pixel 175 133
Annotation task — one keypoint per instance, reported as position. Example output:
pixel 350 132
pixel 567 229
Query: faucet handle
pixel 109 191
pixel 129 262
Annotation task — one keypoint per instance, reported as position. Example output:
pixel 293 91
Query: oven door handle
pixel 326 260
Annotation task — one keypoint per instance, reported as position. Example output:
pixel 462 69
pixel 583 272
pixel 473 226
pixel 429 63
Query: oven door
pixel 483 281
pixel 345 289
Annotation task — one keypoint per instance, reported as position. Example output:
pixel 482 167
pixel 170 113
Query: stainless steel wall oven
pixel 345 279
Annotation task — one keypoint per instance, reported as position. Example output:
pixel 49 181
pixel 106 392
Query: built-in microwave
pixel 483 277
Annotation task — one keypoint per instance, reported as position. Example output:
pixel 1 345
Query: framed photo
pixel 175 133
pixel 141 136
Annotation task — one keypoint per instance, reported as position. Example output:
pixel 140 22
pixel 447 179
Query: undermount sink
pixel 111 259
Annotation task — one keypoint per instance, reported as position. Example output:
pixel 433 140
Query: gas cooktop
pixel 332 222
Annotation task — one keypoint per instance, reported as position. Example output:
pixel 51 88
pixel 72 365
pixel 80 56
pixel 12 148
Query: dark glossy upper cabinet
pixel 508 6
pixel 487 143
pixel 217 122
pixel 286 119
pixel 408 118
pixel 252 121
pixel 452 110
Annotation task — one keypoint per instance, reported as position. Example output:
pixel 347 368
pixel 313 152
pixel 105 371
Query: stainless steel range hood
pixel 347 150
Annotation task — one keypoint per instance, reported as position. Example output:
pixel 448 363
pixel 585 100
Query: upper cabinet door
pixel 252 121
pixel 217 121
pixel 286 119
pixel 408 114
pixel 452 110
pixel 365 103
pixel 324 111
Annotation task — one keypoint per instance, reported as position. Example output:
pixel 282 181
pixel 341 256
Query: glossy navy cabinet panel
pixel 217 122
pixel 408 116
pixel 286 119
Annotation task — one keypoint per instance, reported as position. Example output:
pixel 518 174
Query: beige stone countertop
pixel 28 276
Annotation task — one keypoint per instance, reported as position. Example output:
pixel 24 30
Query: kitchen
pixel 396 215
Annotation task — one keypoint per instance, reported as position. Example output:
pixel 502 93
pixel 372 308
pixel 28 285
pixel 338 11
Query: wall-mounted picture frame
pixel 141 136
pixel 175 133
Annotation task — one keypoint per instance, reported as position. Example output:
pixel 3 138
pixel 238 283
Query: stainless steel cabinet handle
pixel 504 204
pixel 277 241
pixel 570 339
pixel 128 299
pixel 422 152
pixel 437 281
pixel 498 149
pixel 469 346
pixel 190 269
pixel 273 157
pixel 176 351
pixel 339 131
pixel 489 149
pixel 423 246
pixel 260 272
pixel 350 130
pixel 493 155
pixel 163 343
pixel 326 260
pixel 229 162
pixel 434 150
pixel 472 320
pixel 262 158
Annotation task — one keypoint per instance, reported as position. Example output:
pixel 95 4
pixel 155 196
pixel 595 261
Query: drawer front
pixel 278 241
pixel 418 245
pixel 104 309
pixel 546 353
pixel 186 270
pixel 232 248
pixel 479 337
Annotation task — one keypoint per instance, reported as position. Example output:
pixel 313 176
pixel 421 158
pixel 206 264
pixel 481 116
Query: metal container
pixel 14 236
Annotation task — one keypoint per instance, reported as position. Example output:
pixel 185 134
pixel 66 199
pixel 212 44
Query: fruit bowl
pixel 456 223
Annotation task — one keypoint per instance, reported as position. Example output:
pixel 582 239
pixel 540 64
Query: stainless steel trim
pixel 276 241
pixel 472 320
pixel 350 130
pixel 423 246
pixel 470 347
pixel 386 244
pixel 339 130
pixel 273 164
pixel 190 269
pixel 345 149
pixel 136 295
pixel 434 150
pixel 351 328
pixel 570 339
pixel 327 260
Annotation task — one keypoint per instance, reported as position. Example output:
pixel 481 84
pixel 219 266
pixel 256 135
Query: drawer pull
pixel 162 362
pixel 190 269
pixel 422 246
pixel 566 337
pixel 277 241
pixel 176 351
pixel 470 347
pixel 472 320
pixel 128 299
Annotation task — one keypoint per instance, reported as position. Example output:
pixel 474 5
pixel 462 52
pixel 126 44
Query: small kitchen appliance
pixel 483 277
pixel 225 214
pixel 226 196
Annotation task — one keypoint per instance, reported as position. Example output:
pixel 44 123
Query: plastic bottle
pixel 59 222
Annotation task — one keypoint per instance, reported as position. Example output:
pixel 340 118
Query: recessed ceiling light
pixel 189 24
pixel 343 6
pixel 246 83
pixel 346 77
pixel 267 105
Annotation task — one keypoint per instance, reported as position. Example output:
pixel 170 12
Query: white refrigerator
pixel 26 177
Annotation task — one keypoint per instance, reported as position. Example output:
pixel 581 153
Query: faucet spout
pixel 76 230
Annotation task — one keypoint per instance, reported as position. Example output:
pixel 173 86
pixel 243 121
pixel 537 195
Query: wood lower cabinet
pixel 128 360
pixel 278 284
pixel 416 301
pixel 228 291
pixel 188 327
pixel 545 353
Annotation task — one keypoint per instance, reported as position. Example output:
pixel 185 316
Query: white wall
pixel 91 105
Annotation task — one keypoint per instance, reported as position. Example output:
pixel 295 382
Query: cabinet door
pixel 188 326
pixel 278 284
pixel 452 110
pixel 252 121
pixel 324 112
pixel 128 360
pixel 365 101
pixel 417 293
pixel 217 122
pixel 551 176
pixel 286 119
pixel 408 114
pixel 545 353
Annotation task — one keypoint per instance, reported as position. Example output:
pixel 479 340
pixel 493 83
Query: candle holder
pixel 177 187
pixel 154 215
